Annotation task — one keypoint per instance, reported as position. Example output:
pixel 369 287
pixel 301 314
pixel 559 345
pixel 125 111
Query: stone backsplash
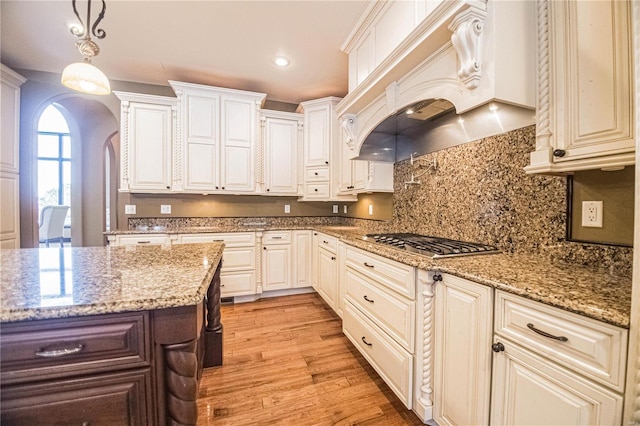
pixel 234 222
pixel 480 192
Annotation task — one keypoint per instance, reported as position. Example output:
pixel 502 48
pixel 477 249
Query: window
pixel 54 161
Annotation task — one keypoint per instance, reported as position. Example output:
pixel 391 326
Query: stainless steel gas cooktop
pixel 434 247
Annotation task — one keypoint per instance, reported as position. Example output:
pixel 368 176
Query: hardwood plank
pixel 286 362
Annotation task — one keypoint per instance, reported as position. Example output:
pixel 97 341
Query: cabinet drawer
pixel 237 283
pixel 314 174
pixel 319 190
pixel 57 348
pixel 392 313
pixel 394 364
pixel 238 259
pixel 231 239
pixel 393 275
pixel 276 237
pixel 150 239
pixel 593 348
pixel 114 399
pixel 328 242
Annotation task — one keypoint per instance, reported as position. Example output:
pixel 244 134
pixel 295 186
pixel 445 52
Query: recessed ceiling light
pixel 281 61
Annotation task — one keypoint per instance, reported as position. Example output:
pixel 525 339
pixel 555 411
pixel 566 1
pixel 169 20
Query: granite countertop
pixel 55 283
pixel 589 291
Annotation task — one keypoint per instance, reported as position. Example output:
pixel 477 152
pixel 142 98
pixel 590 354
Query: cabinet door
pixel 317 135
pixel 238 145
pixel 277 266
pixel 150 137
pixel 201 142
pixel 528 389
pixel 462 359
pixel 301 272
pixel 590 44
pixel 347 166
pixel 281 159
pixel 360 174
pixel 9 133
pixel 328 277
pixel 10 210
pixel 315 259
pixel 114 399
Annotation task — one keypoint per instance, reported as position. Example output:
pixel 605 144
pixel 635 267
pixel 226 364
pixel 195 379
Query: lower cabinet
pixel 110 399
pixel 276 260
pixel 328 276
pixel 301 259
pixel 571 365
pixel 462 351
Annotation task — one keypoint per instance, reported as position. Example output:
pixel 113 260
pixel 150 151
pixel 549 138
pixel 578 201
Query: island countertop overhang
pixel 57 283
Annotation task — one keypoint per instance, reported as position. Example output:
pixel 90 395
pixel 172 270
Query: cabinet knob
pixel 333 258
pixel 497 347
pixel 326 162
pixel 267 189
pixel 264 248
pixel 316 189
pixel 559 153
pixel 168 187
pixel 217 187
pixel 223 187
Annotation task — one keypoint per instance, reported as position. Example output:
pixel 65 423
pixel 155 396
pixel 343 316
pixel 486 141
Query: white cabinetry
pixel 545 357
pixel 276 260
pixel 10 158
pixel 327 285
pixel 586 97
pixel 238 273
pixel 462 358
pixel 301 273
pixel 322 151
pixel 147 124
pixel 379 317
pixel 218 144
pixel 282 152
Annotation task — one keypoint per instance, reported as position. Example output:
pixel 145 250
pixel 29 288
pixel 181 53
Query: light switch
pixel 370 209
pixel 129 209
pixel 335 208
pixel 344 209
pixel 287 208
pixel 165 208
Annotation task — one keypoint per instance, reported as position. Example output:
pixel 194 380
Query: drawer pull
pixel 60 352
pixel 218 241
pixel 367 299
pixel 144 242
pixel 545 334
pixel 365 342
pixel 368 266
pixel 333 258
pixel 326 242
pixel 276 238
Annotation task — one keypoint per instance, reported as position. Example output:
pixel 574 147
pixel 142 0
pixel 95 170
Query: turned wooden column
pixel 213 331
pixel 181 380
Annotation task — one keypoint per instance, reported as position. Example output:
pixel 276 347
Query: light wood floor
pixel 286 362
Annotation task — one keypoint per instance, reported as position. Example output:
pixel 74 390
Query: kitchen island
pixel 108 335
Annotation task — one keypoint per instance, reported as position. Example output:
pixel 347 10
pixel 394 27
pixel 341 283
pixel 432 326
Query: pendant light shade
pixel 85 77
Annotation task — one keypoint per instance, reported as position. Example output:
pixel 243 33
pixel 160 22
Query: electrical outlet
pixel 335 208
pixel 592 214
pixel 344 209
pixel 129 209
pixel 287 208
pixel 370 209
pixel 165 208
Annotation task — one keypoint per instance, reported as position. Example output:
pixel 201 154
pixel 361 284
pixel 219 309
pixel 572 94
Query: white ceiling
pixel 221 43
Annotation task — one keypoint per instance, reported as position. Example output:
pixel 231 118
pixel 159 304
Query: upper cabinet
pixel 467 52
pixel 322 161
pixel 282 153
pixel 147 132
pixel 218 139
pixel 586 96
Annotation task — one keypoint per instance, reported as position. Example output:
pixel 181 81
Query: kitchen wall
pixel 480 192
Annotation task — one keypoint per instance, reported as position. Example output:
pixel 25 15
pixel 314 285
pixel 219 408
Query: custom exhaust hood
pixel 432 125
pixel 466 71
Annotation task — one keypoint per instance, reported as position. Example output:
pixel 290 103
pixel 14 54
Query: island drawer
pixel 64 347
pixel 390 360
pixel 393 275
pixel 392 313
pixel 139 240
pixel 111 399
pixel 590 347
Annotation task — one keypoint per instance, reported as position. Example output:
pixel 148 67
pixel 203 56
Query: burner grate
pixel 432 246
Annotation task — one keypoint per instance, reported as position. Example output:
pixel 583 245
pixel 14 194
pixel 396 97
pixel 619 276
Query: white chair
pixel 52 224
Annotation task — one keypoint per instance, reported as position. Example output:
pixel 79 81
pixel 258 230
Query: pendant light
pixel 84 76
